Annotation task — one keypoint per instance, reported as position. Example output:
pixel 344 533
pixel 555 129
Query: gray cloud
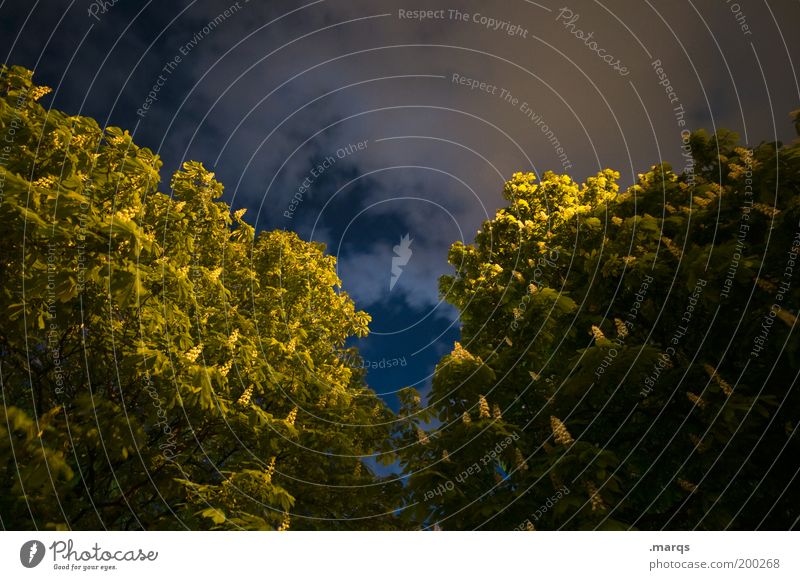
pixel 270 103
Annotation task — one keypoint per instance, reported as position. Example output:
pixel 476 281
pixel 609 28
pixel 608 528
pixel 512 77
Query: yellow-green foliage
pixel 134 321
pixel 621 411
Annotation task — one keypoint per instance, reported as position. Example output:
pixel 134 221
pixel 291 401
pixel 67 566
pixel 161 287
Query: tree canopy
pixel 628 358
pixel 164 367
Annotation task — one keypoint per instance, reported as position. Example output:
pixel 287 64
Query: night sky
pixel 356 123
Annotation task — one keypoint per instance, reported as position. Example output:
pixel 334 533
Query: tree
pixel 628 359
pixel 163 366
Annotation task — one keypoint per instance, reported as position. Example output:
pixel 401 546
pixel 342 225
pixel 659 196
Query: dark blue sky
pixel 375 112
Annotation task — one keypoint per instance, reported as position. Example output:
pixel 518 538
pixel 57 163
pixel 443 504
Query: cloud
pixel 448 107
pixel 367 278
